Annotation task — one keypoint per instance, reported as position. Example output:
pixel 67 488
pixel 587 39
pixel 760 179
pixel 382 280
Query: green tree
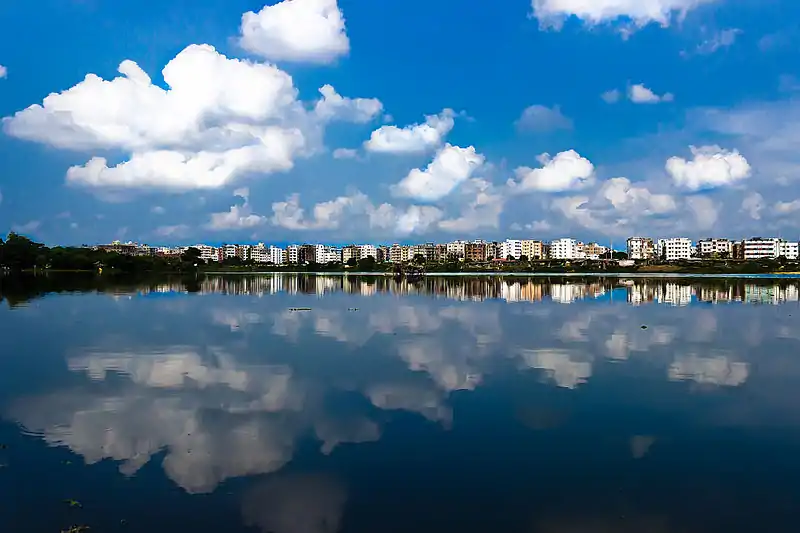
pixel 20 252
pixel 192 255
pixel 419 259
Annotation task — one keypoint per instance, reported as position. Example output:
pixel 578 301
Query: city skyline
pixel 600 120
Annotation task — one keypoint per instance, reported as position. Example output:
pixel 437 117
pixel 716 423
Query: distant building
pixel 307 254
pixel 396 253
pixel 675 249
pixel 475 252
pixel 759 248
pixel 276 255
pixel 259 253
pixel 511 248
pixel 533 250
pixel 714 247
pixel 457 249
pixel 564 249
pixel 591 251
pixel 368 250
pixel 293 254
pixel 350 252
pixel 641 248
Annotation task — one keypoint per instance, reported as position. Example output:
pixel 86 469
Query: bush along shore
pixel 20 254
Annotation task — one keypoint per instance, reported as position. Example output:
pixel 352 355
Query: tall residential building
pixel 591 250
pixel 350 252
pixel 259 253
pixel 396 253
pixel 228 251
pixel 532 249
pixel 293 254
pixel 494 250
pixel 307 254
pixel 367 250
pixel 715 247
pixel 475 251
pixel 457 249
pixel 640 248
pixel 207 253
pixel 440 252
pixel 327 254
pixel 564 249
pixel 675 249
pixel 511 248
pixel 758 248
pixel 277 256
pixel 383 254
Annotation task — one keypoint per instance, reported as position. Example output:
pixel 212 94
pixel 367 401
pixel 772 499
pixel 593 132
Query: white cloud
pixel 566 171
pixel 311 31
pixel 705 212
pixel 553 13
pixel 786 208
pixel 543 118
pixel 157 210
pixel 415 138
pixel 612 96
pixel 237 217
pixel 219 120
pixel 417 219
pixel 639 94
pixel 753 204
pixel 345 153
pixel 333 106
pixel 482 211
pixel 451 166
pixel 627 198
pixel 719 40
pixel 28 227
pixel 710 167
pixel 3 72
pixel 179 230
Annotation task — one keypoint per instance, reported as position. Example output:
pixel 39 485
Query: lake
pixel 317 404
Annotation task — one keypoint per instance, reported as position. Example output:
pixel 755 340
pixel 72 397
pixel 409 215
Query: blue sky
pixel 678 117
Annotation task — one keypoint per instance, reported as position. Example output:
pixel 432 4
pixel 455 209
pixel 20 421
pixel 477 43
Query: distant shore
pixel 783 275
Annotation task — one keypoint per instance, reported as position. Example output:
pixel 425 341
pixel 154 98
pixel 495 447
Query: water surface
pixel 471 404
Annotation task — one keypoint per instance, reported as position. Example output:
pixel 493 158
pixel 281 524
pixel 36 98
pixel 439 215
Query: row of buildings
pixel 676 249
pixel 638 248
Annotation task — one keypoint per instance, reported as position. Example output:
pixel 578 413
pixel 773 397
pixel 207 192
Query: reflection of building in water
pixel 569 292
pixel 770 294
pixel 715 294
pixel 639 293
pixel 675 294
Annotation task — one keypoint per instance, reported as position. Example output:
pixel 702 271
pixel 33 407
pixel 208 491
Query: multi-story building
pixel 207 253
pixel 675 249
pixel 457 249
pixel 475 251
pixel 307 254
pixel 738 250
pixel 591 250
pixel 259 253
pixel 564 249
pixel 327 254
pixel 533 250
pixel 228 251
pixel 440 252
pixel 396 253
pixel 512 249
pixel 427 250
pixel 405 253
pixel 277 256
pixel 367 250
pixel 715 248
pixel 758 248
pixel 383 254
pixel 640 248
pixel 494 250
pixel 350 252
pixel 293 254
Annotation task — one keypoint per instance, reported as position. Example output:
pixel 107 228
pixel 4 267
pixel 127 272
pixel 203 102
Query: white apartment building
pixel 293 254
pixel 564 249
pixel 511 248
pixel 591 251
pixel 710 247
pixel 367 250
pixel 277 255
pixel 675 249
pixel 259 253
pixel 758 248
pixel 456 249
pixel 395 253
pixel 640 248
pixel 207 253
pixel 228 251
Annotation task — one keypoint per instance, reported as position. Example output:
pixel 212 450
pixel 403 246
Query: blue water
pixel 471 404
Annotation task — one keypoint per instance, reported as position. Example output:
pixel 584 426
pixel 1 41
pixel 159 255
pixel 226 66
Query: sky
pixel 180 122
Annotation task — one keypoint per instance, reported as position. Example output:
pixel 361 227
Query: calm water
pixel 467 405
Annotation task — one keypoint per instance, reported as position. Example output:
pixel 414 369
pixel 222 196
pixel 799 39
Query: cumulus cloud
pixel 612 96
pixel 449 168
pixel 157 210
pixel 333 106
pixel 28 227
pixel 3 72
pixel 345 153
pixel 705 212
pixel 219 119
pixel 415 138
pixel 566 171
pixel 482 210
pixel 721 39
pixel 711 167
pixel 786 208
pixel 639 94
pixel 238 216
pixel 311 31
pixel 753 204
pixel 326 215
pixel 553 13
pixel 542 118
pixel 627 198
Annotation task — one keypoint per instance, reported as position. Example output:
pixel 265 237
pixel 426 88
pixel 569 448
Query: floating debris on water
pixel 76 529
pixel 644 327
pixel 73 503
pixel 299 309
pixel 353 309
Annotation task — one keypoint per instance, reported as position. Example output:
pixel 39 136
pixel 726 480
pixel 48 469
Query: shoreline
pixel 769 275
